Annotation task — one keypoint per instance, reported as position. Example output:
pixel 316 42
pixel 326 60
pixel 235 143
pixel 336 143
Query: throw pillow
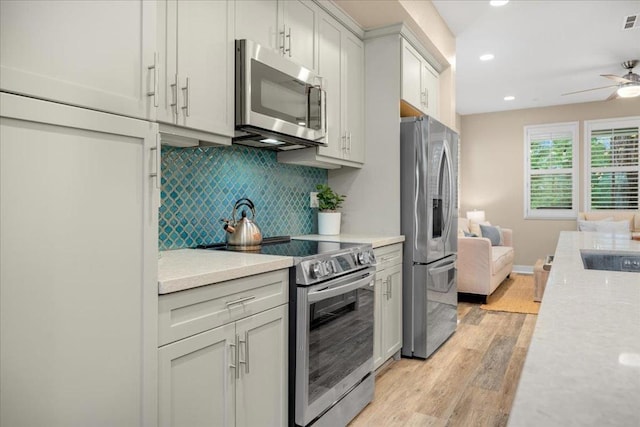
pixel 584 225
pixel 613 227
pixel 494 234
pixel 474 227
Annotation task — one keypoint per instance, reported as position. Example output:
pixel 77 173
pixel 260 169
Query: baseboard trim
pixel 523 269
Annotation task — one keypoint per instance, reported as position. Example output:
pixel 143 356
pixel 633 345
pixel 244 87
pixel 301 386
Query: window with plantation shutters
pixel 612 164
pixel 551 182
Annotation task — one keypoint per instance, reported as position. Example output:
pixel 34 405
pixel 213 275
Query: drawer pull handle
pixel 240 301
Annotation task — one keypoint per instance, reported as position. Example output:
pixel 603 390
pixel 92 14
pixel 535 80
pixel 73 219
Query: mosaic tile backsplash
pixel 200 186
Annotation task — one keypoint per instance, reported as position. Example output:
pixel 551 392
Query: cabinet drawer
pixel 386 256
pixel 189 312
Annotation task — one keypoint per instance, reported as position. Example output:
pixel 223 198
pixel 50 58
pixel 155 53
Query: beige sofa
pixel 632 216
pixel 482 267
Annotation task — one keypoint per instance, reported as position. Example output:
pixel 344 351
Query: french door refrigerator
pixel 429 222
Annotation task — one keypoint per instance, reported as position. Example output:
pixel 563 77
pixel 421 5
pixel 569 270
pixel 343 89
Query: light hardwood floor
pixel 470 381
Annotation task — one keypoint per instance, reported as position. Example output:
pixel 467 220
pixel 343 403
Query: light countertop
pixel 183 269
pixel 375 241
pixel 583 365
pixel 189 268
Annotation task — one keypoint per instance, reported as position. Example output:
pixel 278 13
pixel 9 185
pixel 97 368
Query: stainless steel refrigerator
pixel 429 222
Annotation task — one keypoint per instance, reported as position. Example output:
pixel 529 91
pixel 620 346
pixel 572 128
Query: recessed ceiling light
pixel 487 57
pixel 498 3
pixel 509 98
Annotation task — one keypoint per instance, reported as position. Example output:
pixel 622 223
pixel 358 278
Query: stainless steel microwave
pixel 279 104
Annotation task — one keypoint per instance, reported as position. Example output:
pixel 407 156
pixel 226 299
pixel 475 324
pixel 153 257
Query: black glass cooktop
pixel 284 246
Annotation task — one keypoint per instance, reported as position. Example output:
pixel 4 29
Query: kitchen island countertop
pixel 374 240
pixel 183 269
pixel 583 364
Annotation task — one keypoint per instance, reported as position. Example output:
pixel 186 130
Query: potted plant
pixel 328 204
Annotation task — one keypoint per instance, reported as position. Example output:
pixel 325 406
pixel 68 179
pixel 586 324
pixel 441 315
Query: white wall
pixel 492 168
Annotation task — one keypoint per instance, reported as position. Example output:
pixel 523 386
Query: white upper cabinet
pixel 196 50
pixel 419 81
pixel 93 54
pixel 300 32
pixel 257 20
pixel 288 26
pixel 341 64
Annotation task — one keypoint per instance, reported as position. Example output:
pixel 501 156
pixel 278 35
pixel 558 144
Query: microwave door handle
pixel 323 109
pixel 315 296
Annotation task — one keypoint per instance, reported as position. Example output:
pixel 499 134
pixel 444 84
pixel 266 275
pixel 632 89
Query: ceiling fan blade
pixel 614 95
pixel 588 90
pixel 616 78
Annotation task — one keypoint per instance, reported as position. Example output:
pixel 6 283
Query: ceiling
pixel 542 49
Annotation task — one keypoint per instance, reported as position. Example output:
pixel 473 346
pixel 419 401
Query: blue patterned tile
pixel 200 186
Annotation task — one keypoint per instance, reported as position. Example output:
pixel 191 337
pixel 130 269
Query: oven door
pixel 277 98
pixel 334 349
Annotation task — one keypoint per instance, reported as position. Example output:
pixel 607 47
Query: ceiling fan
pixel 628 85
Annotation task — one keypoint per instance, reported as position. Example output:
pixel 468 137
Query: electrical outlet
pixel 313 199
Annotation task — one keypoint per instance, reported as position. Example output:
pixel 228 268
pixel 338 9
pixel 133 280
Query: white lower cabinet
pixel 234 374
pixel 388 304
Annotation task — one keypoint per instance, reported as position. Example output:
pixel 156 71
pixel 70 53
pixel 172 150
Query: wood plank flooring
pixel 470 381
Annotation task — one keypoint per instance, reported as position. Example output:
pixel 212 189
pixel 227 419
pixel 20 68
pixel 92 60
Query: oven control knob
pixel 364 258
pixel 316 270
pixel 328 267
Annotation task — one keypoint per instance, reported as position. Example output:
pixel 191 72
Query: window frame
pixel 598 124
pixel 552 214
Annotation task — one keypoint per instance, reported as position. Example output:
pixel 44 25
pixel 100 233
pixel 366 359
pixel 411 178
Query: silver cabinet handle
pixel 187 98
pixel 154 67
pixel 239 301
pixel 174 96
pixel 158 155
pixel 349 149
pixel 343 140
pixel 282 34
pixel 289 37
pixel 246 352
pixel 426 97
pixel 234 365
pixel 423 96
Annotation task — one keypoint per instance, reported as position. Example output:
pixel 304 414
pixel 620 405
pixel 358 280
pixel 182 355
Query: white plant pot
pixel 329 223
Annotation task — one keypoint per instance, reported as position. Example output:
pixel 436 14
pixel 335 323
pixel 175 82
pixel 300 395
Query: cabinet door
pixel 93 54
pixel 78 336
pixel 330 68
pixel 380 296
pixel 392 311
pixel 353 99
pixel 411 75
pixel 205 52
pixel 263 363
pixel 257 20
pixel 196 380
pixel 300 24
pixel 430 87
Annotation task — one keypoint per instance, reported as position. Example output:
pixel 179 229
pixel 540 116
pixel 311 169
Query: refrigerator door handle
pixel 446 154
pixel 441 269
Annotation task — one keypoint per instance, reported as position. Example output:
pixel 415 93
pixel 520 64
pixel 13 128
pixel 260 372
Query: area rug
pixel 514 295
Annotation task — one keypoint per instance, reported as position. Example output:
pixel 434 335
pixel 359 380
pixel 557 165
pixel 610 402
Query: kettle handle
pixel 250 205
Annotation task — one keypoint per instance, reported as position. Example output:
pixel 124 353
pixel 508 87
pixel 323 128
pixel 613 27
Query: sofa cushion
pixel 494 234
pixel 591 225
pixel 474 227
pixel 500 257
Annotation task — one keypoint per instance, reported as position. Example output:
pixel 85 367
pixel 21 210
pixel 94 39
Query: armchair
pixel 481 266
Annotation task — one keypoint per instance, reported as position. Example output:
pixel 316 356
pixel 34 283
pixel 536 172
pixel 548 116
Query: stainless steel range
pixel 330 329
pixel 332 349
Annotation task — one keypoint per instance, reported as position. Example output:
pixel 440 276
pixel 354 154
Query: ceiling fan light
pixel 629 90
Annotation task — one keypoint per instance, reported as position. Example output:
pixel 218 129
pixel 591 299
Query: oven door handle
pixel 315 296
